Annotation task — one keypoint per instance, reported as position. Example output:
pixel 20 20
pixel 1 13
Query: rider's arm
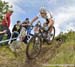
pixel 51 22
pixel 34 19
pixel 50 19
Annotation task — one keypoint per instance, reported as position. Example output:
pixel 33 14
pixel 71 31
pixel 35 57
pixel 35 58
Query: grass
pixel 9 59
pixel 65 54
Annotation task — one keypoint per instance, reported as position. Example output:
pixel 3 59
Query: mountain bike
pixel 35 44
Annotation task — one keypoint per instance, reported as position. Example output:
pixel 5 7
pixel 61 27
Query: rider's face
pixel 43 14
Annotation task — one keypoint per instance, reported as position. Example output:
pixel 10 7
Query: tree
pixel 4 7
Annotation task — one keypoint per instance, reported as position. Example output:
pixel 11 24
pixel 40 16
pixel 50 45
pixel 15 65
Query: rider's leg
pixel 50 25
pixel 45 27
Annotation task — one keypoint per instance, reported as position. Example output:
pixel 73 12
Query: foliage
pixel 4 7
pixel 65 54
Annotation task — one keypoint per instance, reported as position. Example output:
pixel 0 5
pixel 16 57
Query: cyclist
pixel 47 16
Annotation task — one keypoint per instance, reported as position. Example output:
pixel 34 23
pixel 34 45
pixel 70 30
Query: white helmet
pixel 42 10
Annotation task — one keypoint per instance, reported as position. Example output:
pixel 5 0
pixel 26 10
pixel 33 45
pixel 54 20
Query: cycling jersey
pixel 47 17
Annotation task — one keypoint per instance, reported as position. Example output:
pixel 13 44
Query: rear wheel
pixel 51 35
pixel 33 47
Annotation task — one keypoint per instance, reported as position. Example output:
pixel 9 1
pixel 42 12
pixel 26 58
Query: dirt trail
pixel 47 52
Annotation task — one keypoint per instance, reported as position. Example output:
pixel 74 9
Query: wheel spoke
pixel 33 48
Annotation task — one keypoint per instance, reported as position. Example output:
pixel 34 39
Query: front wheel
pixel 33 47
pixel 51 35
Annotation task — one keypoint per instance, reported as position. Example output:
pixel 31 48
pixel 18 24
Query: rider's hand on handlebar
pixel 46 28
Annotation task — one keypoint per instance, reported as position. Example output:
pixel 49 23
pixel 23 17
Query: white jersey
pixel 47 17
